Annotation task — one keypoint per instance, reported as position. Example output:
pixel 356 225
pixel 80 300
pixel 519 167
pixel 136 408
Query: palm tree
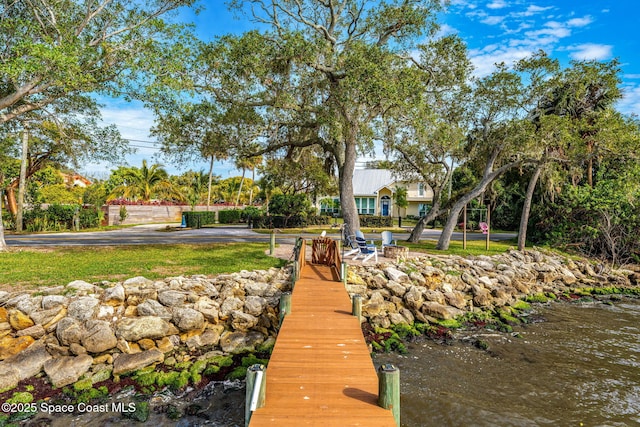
pixel 145 183
pixel 247 163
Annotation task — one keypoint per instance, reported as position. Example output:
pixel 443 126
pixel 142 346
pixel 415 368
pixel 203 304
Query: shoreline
pixel 201 322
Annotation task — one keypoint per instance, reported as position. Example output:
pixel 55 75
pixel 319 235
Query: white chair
pixel 387 239
pixel 367 251
pixel 351 243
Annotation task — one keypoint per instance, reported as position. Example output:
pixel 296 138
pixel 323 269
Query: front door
pixel 385 206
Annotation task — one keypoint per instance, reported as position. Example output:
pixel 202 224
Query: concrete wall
pixel 145 214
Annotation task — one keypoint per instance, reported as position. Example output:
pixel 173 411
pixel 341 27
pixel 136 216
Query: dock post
pixel 256 390
pixel 389 389
pixel 296 270
pixel 343 273
pixel 356 307
pixel 285 306
pixel 272 243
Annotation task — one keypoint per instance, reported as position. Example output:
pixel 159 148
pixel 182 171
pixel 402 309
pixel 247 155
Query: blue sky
pixel 494 31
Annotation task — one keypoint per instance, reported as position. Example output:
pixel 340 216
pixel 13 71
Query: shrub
pixel 198 219
pixel 90 217
pixel 231 216
pixel 375 221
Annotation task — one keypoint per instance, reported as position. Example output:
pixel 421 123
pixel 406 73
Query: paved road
pixel 157 234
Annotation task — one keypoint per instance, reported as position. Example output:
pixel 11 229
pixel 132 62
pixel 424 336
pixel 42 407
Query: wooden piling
pixel 356 307
pixel 343 272
pixel 285 306
pixel 389 389
pixel 272 243
pixel 255 392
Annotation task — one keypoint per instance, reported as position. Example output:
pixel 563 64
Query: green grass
pixel 31 268
pixel 474 247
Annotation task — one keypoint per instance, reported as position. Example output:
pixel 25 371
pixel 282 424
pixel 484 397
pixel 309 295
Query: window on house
pixel 329 207
pixel 423 209
pixel 366 205
pixel 420 189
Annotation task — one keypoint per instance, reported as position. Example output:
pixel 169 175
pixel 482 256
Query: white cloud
pixel 580 22
pixel 492 20
pixel 446 30
pixel 484 60
pixel 497 4
pixel 531 11
pixel 632 76
pixel 133 120
pixel 551 28
pixel 630 103
pixel 590 51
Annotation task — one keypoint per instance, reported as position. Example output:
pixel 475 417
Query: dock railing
pixel 299 258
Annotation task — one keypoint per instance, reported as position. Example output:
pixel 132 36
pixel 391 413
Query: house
pixel 75 180
pixel 374 191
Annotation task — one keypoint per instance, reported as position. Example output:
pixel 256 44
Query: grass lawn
pixel 474 247
pixel 53 267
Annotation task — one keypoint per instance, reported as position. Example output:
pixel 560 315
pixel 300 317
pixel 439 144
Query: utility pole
pixel 23 177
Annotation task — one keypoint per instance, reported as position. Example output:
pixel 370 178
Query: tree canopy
pixel 318 74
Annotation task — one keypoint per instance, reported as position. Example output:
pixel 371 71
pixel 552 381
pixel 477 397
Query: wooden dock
pixel 320 372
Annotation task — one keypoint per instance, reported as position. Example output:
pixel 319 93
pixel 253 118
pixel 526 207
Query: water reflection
pixel 579 367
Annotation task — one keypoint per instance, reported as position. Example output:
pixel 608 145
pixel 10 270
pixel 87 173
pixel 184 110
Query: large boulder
pixel 54 301
pixel 397 275
pixel 242 322
pixel 152 307
pixel 440 311
pixel 254 305
pixel 114 295
pixel 10 346
pixel 19 320
pixel 69 330
pixel 23 365
pixel 125 363
pixel 67 370
pixel 239 342
pixel 98 337
pixel 137 328
pixel 187 319
pixel 83 308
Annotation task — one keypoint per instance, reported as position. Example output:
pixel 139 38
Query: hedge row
pixel 375 221
pixel 198 219
pixel 295 221
pixel 229 216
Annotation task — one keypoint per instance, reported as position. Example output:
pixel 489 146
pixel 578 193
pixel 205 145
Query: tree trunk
pixel 12 203
pixel 253 179
pixel 488 177
pixel 416 233
pixel 23 179
pixel 240 189
pixel 345 177
pixel 526 208
pixel 210 182
pixel 3 243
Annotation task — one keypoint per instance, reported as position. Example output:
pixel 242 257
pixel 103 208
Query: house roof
pixel 369 181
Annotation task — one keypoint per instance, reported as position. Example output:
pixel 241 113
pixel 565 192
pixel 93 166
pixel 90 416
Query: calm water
pixel 579 367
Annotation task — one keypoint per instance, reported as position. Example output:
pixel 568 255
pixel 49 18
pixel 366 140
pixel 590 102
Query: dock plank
pixel 320 372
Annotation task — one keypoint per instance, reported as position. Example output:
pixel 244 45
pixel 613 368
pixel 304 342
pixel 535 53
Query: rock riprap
pixel 70 332
pixel 86 331
pixel 435 288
